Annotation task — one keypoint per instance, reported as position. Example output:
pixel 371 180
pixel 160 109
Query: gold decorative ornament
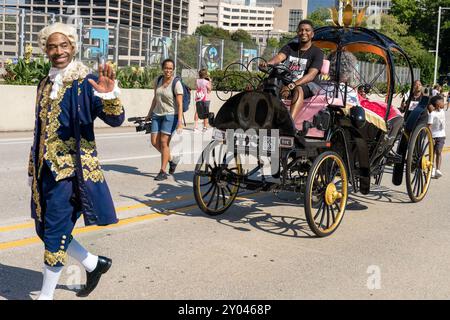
pixel 112 107
pixel 52 258
pixel 347 16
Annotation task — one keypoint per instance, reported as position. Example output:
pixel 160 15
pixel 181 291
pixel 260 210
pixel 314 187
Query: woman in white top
pixel 166 114
pixel 202 100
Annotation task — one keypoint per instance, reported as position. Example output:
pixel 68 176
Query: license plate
pixel 269 143
pixel 286 142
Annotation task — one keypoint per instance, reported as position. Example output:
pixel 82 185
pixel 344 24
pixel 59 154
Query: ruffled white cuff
pixel 109 95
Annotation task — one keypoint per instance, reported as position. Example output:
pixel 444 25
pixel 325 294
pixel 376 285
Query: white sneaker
pixel 433 173
pixel 438 173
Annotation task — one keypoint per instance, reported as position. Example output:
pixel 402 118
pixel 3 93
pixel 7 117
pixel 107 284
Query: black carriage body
pixel 354 148
pixel 366 147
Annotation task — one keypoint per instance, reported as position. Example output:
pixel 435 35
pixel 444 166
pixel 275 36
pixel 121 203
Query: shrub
pixel 235 80
pixel 26 71
pixel 137 77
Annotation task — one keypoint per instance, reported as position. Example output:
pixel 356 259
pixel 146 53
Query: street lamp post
pixel 437 43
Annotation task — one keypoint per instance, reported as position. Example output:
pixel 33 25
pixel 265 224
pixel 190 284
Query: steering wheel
pixel 280 71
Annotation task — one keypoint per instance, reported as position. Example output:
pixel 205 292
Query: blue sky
pixel 314 4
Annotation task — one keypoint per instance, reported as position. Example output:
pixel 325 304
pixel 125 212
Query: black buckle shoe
pixel 92 278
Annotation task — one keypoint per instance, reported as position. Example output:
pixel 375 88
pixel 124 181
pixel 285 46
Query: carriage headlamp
pixel 358 116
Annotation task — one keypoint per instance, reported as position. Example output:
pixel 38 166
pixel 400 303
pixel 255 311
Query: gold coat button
pixel 64 237
pixel 62 247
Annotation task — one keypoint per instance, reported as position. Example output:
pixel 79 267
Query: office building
pixel 133 22
pixel 287 17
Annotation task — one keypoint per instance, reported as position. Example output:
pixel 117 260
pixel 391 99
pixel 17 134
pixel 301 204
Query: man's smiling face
pixel 305 33
pixel 59 50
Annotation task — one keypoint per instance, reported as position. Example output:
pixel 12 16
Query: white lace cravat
pixel 56 76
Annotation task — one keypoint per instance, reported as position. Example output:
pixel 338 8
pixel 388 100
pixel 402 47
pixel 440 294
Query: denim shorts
pixel 439 143
pixel 165 124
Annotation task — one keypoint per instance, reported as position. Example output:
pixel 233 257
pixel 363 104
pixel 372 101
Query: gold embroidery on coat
pixel 34 190
pixel 112 107
pixel 62 154
pixel 52 258
pixel 91 164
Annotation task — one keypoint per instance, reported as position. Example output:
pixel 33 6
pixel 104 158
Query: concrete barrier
pixel 17 105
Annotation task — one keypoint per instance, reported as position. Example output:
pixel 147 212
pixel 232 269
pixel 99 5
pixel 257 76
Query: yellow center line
pixel 132 207
pixel 33 240
pixel 119 209
pixel 122 222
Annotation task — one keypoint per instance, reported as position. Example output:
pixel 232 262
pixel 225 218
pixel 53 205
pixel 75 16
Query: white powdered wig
pixel 68 30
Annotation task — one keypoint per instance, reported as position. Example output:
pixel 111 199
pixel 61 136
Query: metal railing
pixel 132 46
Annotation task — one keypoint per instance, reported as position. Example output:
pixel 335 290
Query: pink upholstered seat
pixel 313 105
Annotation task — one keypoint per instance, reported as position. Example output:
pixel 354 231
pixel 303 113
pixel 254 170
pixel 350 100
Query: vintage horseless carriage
pixel 329 146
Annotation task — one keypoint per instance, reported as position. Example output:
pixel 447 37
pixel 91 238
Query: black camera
pixel 141 124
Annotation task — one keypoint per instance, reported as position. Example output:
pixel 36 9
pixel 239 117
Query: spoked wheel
pixel 419 163
pixel 326 193
pixel 216 179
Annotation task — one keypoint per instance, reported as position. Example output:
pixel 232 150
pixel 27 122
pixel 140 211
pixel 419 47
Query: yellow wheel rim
pixel 334 197
pixel 424 165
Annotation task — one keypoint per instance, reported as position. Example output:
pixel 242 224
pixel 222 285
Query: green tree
pixel 222 34
pixel 419 56
pixel 209 31
pixel 188 52
pixel 205 30
pixel 421 18
pixel 244 37
pixel 286 38
pixel 320 17
pixel 273 42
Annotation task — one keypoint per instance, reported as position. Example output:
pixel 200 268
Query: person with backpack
pixel 202 100
pixel 166 114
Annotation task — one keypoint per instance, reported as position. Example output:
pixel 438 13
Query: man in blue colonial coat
pixel 65 175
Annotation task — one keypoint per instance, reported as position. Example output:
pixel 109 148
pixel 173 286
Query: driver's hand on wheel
pixel 262 66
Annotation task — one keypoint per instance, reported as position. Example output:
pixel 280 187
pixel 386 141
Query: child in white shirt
pixel 436 123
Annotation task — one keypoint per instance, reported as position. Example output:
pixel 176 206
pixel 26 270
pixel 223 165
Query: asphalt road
pixel 261 248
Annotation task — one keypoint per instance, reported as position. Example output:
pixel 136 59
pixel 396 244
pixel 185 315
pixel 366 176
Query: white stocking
pixel 79 253
pixel 51 277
